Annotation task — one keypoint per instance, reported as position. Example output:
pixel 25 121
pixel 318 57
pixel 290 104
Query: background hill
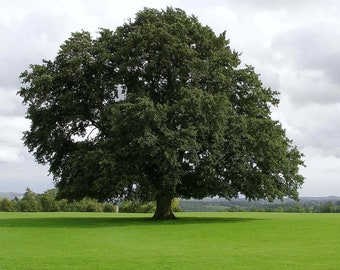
pixel 306 204
pixel 10 195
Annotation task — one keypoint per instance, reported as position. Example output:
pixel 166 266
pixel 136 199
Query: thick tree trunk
pixel 163 209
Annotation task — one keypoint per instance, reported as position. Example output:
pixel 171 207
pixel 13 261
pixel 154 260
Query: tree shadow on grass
pixel 114 221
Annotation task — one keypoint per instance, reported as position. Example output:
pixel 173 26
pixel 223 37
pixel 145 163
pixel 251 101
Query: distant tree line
pixel 306 206
pixel 48 202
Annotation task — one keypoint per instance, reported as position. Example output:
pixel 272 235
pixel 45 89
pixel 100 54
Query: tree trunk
pixel 163 209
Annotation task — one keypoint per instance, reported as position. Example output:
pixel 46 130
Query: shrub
pixel 7 205
pixel 29 202
pixel 90 205
pixel 48 201
pixel 137 207
pixel 110 208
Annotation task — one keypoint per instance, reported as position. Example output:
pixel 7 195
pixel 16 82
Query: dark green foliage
pixel 159 108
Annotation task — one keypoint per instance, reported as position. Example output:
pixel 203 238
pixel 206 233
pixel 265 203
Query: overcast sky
pixel 293 44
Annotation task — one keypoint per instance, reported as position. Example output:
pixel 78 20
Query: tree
pixel 29 202
pixel 7 205
pixel 48 201
pixel 157 109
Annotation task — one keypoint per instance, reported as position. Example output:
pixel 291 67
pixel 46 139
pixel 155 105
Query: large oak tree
pixel 159 108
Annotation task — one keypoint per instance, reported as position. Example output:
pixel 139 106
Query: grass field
pixel 194 241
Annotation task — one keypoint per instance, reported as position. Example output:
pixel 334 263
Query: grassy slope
pixel 195 241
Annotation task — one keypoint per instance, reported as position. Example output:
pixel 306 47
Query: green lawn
pixel 194 241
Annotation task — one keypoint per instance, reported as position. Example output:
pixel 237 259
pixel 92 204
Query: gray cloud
pixel 19 49
pixel 17 176
pixel 313 126
pixel 312 49
pixel 10 103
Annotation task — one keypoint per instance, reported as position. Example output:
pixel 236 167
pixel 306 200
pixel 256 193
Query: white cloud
pixel 11 130
pixel 325 174
pixel 17 176
pixel 10 103
pixel 9 154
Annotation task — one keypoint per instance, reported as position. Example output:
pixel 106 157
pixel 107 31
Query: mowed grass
pixel 193 241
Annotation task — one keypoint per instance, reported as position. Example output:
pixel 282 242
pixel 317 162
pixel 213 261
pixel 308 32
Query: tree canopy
pixel 159 108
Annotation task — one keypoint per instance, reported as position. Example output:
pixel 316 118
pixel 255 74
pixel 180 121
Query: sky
pixel 294 45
